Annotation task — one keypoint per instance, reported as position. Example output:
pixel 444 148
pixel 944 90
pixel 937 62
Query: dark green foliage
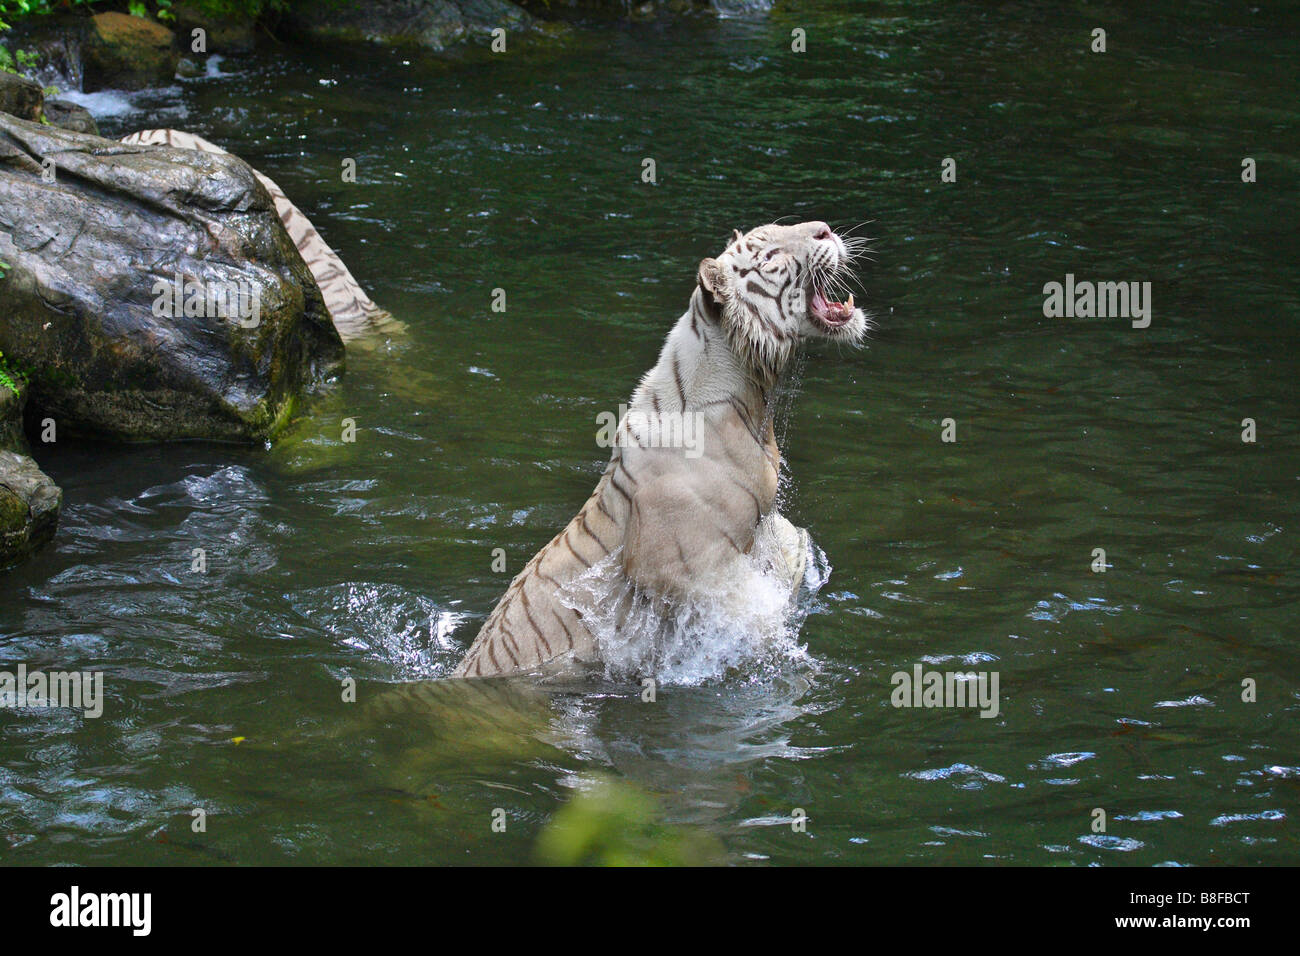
pixel 17 9
pixel 237 9
pixel 220 10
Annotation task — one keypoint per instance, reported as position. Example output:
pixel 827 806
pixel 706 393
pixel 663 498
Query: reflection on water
pixel 326 562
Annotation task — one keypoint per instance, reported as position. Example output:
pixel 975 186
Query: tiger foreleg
pixel 685 545
pixel 782 549
pixel 682 543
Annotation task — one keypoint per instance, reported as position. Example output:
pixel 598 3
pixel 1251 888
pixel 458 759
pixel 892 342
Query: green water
pixel 476 430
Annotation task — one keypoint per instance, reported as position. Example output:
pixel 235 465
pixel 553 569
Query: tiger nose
pixel 821 230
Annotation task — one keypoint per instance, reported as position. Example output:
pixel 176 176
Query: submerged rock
pixel 433 24
pixel 128 53
pixel 188 69
pixel 153 293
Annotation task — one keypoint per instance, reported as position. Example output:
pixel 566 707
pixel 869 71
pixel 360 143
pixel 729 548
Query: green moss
pixel 13 512
pixel 283 416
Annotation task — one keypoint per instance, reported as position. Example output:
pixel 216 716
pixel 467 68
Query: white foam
pixel 102 104
pixel 161 105
pixel 751 624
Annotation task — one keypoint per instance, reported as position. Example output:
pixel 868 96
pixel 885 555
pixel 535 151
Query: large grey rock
pixel 431 24
pixel 94 256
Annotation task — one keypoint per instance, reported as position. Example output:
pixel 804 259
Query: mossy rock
pixel 21 97
pixel 90 301
pixel 127 53
pixel 29 507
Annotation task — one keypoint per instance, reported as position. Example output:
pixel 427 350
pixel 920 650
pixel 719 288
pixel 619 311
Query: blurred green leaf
pixel 612 823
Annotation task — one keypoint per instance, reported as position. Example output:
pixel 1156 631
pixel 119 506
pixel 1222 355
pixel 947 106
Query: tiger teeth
pixel 849 303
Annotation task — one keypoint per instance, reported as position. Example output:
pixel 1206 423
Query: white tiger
pixel 352 310
pixel 677 522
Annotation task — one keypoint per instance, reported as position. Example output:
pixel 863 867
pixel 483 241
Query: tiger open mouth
pixel 828 313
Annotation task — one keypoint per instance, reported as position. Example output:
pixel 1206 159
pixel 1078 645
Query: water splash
pixel 408 634
pixel 751 625
pixel 740 8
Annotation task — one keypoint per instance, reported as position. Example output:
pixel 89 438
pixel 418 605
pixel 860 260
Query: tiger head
pixel 776 286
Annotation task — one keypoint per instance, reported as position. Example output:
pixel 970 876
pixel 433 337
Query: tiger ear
pixel 711 279
pixel 737 235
